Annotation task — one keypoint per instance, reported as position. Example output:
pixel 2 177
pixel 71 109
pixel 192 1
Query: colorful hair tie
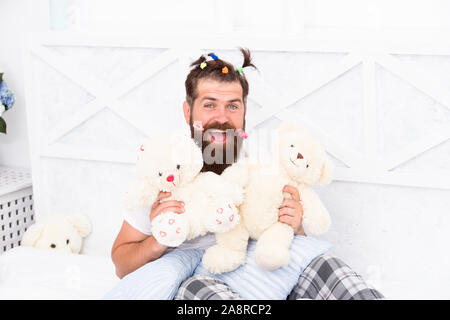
pixel 243 134
pixel 198 125
pixel 212 55
pixel 203 65
pixel 224 70
pixel 240 69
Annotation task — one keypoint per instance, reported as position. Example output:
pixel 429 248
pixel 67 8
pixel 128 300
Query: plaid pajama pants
pixel 326 278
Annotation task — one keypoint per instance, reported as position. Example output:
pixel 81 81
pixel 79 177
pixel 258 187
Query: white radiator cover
pixel 382 114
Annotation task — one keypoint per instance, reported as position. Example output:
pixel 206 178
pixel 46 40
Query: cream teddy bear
pixel 58 232
pixel 172 163
pixel 301 163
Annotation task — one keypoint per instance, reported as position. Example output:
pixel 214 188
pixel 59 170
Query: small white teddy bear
pixel 58 232
pixel 302 162
pixel 172 163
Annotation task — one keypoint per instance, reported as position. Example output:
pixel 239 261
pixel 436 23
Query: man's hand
pixel 132 249
pixel 159 207
pixel 291 211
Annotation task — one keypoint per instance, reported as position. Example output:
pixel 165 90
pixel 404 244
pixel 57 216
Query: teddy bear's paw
pixel 170 229
pixel 318 224
pixel 218 259
pixel 223 219
pixel 271 256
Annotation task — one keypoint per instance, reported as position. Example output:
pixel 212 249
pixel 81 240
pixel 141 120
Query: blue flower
pixel 6 96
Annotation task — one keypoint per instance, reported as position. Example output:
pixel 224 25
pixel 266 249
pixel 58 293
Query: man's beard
pixel 217 156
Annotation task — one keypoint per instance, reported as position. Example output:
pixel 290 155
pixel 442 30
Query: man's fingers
pixel 175 209
pixel 172 209
pixel 286 219
pixel 170 203
pixel 163 195
pixel 289 203
pixel 293 191
pixel 287 211
pixel 160 196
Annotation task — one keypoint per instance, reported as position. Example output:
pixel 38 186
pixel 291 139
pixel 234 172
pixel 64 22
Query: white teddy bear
pixel 302 162
pixel 58 232
pixel 172 163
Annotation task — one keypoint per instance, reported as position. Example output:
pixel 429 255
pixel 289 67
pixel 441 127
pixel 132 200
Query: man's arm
pixel 132 248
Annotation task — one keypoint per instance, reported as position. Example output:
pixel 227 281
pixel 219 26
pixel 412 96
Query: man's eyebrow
pixel 209 98
pixel 214 99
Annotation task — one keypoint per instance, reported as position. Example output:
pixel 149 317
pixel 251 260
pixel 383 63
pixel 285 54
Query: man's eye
pixel 209 105
pixel 233 107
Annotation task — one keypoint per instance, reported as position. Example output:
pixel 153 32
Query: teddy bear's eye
pixel 178 166
pixel 292 145
pixel 307 165
pixel 160 174
pixel 53 246
pixel 67 241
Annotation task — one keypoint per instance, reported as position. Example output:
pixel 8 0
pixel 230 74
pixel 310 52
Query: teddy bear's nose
pixel 170 178
pixel 299 156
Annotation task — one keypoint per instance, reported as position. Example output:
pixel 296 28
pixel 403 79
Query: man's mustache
pixel 219 126
pixel 216 165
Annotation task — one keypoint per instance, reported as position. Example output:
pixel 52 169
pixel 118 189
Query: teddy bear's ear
pixel 81 223
pixel 32 235
pixel 327 172
pixel 189 153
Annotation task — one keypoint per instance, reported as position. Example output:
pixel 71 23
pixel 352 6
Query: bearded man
pixel 215 110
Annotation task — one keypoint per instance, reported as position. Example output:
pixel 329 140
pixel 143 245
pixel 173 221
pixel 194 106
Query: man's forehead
pixel 219 90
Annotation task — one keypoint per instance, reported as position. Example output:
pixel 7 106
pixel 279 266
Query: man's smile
pixel 216 136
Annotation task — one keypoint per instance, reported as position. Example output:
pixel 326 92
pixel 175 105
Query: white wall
pixel 20 16
pixel 378 13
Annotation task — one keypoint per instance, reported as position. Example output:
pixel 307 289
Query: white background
pixel 17 17
pixel 395 236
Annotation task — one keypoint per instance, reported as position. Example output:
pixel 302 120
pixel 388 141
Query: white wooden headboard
pixel 381 110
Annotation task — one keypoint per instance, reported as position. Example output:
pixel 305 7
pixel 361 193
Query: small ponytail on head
pixel 247 58
pixel 211 67
pixel 198 61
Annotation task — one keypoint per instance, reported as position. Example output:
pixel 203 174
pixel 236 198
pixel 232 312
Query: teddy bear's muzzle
pixel 65 248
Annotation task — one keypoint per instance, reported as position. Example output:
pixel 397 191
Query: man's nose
pixel 221 115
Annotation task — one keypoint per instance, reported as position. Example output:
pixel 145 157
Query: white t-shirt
pixel 140 220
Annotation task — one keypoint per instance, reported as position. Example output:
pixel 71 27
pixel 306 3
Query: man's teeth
pixel 218 136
